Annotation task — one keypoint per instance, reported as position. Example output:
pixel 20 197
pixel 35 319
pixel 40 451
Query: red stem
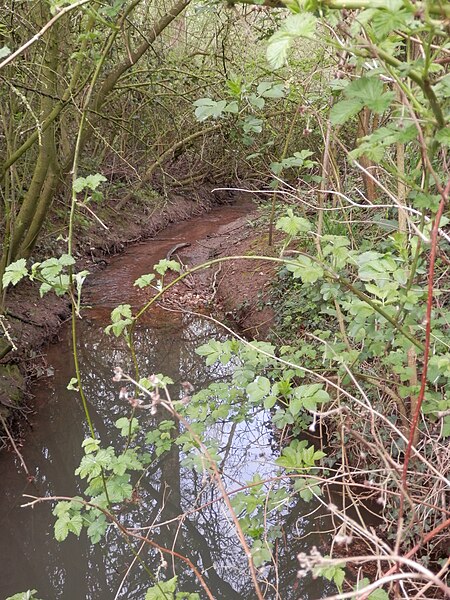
pixel 412 431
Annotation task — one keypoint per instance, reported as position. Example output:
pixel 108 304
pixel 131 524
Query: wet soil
pixel 235 290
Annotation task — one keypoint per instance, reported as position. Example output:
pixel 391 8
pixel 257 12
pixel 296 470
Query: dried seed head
pixel 117 374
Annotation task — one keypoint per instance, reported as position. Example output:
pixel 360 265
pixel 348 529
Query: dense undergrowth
pixel 344 129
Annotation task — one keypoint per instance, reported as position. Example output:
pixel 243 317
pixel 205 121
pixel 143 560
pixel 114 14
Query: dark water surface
pixel 76 570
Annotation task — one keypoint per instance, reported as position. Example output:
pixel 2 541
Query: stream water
pixel 165 343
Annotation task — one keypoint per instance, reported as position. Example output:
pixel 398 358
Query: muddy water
pixel 166 342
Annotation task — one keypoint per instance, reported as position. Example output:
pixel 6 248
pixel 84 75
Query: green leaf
pixel 144 280
pixel 93 181
pixel 28 595
pixel 90 445
pixel 15 272
pixel 4 52
pixel 97 528
pixel 72 386
pixel 370 91
pixel 206 108
pixel 163 590
pixel 61 528
pixel 268 89
pixel 302 25
pixel 293 225
pixel 344 110
pixel 167 265
pixel 126 427
pixel 305 269
pixel 258 389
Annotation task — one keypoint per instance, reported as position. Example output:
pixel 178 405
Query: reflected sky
pixel 74 569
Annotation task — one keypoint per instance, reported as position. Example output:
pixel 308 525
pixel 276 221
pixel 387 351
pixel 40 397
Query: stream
pixel 165 343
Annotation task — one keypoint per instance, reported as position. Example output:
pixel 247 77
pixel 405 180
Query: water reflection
pixel 75 569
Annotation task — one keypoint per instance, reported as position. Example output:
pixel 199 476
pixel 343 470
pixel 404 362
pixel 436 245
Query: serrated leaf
pixel 301 25
pixel 163 590
pixel 370 91
pixel 258 389
pixel 15 272
pixel 344 110
pixel 144 280
pixel 61 528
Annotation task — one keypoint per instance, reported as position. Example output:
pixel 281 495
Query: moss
pixel 12 385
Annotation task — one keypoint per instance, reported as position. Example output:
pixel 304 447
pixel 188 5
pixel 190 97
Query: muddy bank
pixel 31 322
pixel 236 290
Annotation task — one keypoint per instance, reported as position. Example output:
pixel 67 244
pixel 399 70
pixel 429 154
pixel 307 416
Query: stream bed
pixel 165 343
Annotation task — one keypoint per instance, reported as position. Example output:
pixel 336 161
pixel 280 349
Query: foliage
pixel 166 590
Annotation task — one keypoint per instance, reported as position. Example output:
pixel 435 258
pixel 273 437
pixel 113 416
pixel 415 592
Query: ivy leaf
pixel 15 272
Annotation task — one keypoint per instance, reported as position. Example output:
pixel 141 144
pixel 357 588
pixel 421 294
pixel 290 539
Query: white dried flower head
pixel 153 410
pixel 123 394
pixel 135 402
pixel 154 380
pixel 188 388
pixel 118 372
pixel 163 564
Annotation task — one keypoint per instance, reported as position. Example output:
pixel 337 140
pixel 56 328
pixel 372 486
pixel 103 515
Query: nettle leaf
pixel 366 91
pixel 293 225
pixel 297 26
pixel 15 272
pixel 385 21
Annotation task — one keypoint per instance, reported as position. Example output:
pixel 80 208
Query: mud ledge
pixel 33 322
